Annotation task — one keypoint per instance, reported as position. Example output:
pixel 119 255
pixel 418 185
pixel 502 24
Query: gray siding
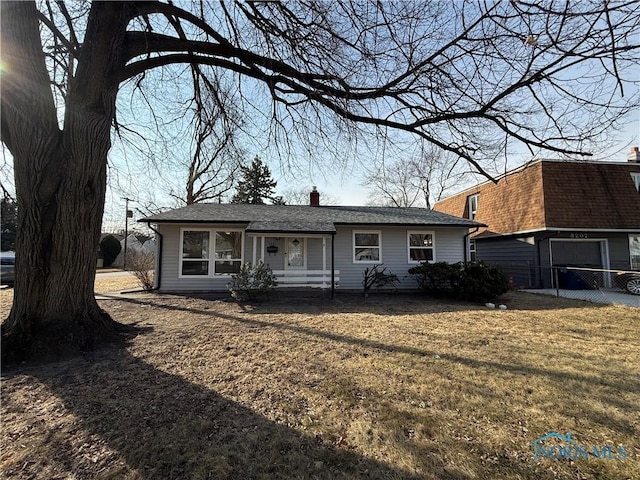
pixel 448 248
pixel 515 256
pixel 171 262
pixel 619 255
pixel 511 252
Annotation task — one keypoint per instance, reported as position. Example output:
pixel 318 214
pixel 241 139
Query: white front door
pixel 296 258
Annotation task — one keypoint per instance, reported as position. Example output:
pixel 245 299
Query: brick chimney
pixel 314 197
pixel 634 155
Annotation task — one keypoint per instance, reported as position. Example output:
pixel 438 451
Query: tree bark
pixel 60 188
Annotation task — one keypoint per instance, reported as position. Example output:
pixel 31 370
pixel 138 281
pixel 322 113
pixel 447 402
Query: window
pixel 228 252
pixel 636 180
pixel 634 251
pixel 367 247
pixel 421 247
pixel 196 259
pixel 473 205
pixel 472 250
pixel 195 252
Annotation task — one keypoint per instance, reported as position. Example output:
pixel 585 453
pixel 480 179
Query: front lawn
pixel 394 387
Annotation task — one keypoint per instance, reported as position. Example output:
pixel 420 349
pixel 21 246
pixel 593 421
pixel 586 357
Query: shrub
pixel 475 282
pixel 482 282
pixel 141 265
pixel 378 277
pixel 109 248
pixel 252 282
pixel 440 279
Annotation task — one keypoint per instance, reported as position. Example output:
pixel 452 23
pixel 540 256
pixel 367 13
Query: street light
pixel 128 215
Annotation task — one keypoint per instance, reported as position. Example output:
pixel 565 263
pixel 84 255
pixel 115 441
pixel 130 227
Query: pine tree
pixel 8 223
pixel 256 185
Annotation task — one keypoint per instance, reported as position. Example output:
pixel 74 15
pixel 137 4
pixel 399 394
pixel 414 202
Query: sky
pixel 346 185
pixel 324 156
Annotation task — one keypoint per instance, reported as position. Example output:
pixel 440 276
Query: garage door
pixel 577 254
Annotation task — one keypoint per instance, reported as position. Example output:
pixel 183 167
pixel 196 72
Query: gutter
pixel 158 271
pixel 464 244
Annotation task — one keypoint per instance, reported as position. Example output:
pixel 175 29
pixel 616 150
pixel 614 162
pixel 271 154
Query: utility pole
pixel 128 215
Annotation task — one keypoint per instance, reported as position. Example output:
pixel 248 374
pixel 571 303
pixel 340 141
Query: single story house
pixel 201 245
pixel 555 213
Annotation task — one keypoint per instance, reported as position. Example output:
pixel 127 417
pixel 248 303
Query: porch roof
pixel 290 226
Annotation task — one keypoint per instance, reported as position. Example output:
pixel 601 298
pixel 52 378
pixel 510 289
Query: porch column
pixel 324 253
pixel 262 242
pixel 333 270
pixel 324 259
pixel 254 241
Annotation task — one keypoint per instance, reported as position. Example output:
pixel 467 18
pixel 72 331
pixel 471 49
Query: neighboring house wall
pixel 590 195
pixel 517 256
pixel 448 248
pixel 514 204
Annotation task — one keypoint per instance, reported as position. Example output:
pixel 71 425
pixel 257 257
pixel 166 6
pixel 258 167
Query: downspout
pixel 464 244
pixel 158 271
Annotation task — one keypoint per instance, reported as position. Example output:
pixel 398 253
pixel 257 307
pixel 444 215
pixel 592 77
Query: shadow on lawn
pixel 386 302
pixel 628 383
pixel 165 427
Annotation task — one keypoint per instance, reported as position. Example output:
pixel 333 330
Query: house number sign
pixel 579 235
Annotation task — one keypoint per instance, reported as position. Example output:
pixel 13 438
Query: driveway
pixel 113 274
pixel 596 296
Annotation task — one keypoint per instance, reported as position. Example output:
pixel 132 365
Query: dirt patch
pixel 394 387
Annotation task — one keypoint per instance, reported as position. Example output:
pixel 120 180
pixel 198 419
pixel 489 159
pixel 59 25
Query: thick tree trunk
pixel 60 187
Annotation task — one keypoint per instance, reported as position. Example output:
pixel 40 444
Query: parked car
pixel 629 281
pixel 7 268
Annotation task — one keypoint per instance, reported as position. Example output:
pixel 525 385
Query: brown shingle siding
pixel 513 204
pixel 555 194
pixel 591 195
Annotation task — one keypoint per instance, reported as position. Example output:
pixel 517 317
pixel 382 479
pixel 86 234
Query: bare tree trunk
pixel 60 189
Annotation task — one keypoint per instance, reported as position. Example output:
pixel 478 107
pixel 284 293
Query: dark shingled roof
pixel 304 218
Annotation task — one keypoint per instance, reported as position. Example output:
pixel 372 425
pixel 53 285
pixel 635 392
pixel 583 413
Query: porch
pixel 307 278
pixel 297 259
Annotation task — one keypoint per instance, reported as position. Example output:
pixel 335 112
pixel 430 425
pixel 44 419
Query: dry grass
pixel 103 285
pixel 396 387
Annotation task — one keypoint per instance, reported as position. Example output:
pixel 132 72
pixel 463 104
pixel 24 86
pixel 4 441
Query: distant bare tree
pixel 217 156
pixel 300 196
pixel 416 182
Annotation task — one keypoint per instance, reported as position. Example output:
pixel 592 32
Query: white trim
pixel 181 253
pixel 554 229
pixel 629 243
pixel 212 251
pixel 353 246
pixel 432 247
pixel 254 244
pixel 635 176
pixel 472 212
pixel 324 253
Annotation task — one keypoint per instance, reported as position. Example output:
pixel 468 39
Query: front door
pixel 295 258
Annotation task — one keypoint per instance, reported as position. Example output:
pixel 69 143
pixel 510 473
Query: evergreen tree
pixel 8 224
pixel 256 185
